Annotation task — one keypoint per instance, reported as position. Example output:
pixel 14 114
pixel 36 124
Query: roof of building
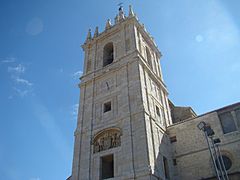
pixel 231 106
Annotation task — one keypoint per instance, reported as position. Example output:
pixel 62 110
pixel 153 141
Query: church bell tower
pixel 124 110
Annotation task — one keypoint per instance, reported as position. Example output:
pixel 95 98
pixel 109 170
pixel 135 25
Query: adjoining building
pixel 191 156
pixel 127 127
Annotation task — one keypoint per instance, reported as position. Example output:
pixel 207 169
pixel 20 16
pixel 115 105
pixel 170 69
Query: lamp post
pixel 214 150
pixel 202 126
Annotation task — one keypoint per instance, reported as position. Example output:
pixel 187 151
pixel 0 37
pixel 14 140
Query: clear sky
pixel 41 60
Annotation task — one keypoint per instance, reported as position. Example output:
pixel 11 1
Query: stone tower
pixel 124 110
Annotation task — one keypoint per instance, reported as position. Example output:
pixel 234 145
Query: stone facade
pixel 124 110
pixel 190 150
pixel 131 84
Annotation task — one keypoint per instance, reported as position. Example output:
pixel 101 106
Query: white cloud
pixel 77 74
pixel 17 69
pixel 8 60
pixel 22 87
pixel 23 81
pixel 20 92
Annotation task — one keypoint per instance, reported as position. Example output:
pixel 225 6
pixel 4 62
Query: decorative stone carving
pixel 106 140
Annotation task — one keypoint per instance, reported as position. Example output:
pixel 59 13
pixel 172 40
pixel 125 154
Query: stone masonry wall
pixel 191 152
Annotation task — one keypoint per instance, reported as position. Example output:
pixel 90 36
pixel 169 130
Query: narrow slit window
pixel 174 162
pixel 166 168
pixel 149 58
pixel 158 111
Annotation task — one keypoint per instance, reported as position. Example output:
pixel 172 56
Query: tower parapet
pixel 120 17
pixel 125 27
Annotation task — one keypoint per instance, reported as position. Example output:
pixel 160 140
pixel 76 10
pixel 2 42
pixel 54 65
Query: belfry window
pixel 107 167
pixel 108 54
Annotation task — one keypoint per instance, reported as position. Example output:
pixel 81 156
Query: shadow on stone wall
pixel 163 166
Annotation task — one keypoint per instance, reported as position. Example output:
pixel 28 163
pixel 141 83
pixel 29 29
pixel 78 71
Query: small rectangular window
pixel 173 139
pixel 157 111
pixel 107 167
pixel 227 122
pixel 163 115
pixel 174 162
pixel 107 107
pixel 89 65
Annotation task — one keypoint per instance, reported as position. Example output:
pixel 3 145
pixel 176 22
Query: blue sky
pixel 41 60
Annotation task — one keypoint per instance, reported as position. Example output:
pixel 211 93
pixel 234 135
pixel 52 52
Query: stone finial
pixel 96 32
pixel 131 13
pixel 89 36
pixel 143 26
pixel 108 24
pixel 121 14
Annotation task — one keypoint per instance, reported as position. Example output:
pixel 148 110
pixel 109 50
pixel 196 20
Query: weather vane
pixel 120 6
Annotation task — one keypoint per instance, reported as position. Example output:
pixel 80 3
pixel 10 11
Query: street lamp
pixel 208 132
pixel 201 125
pixel 214 150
